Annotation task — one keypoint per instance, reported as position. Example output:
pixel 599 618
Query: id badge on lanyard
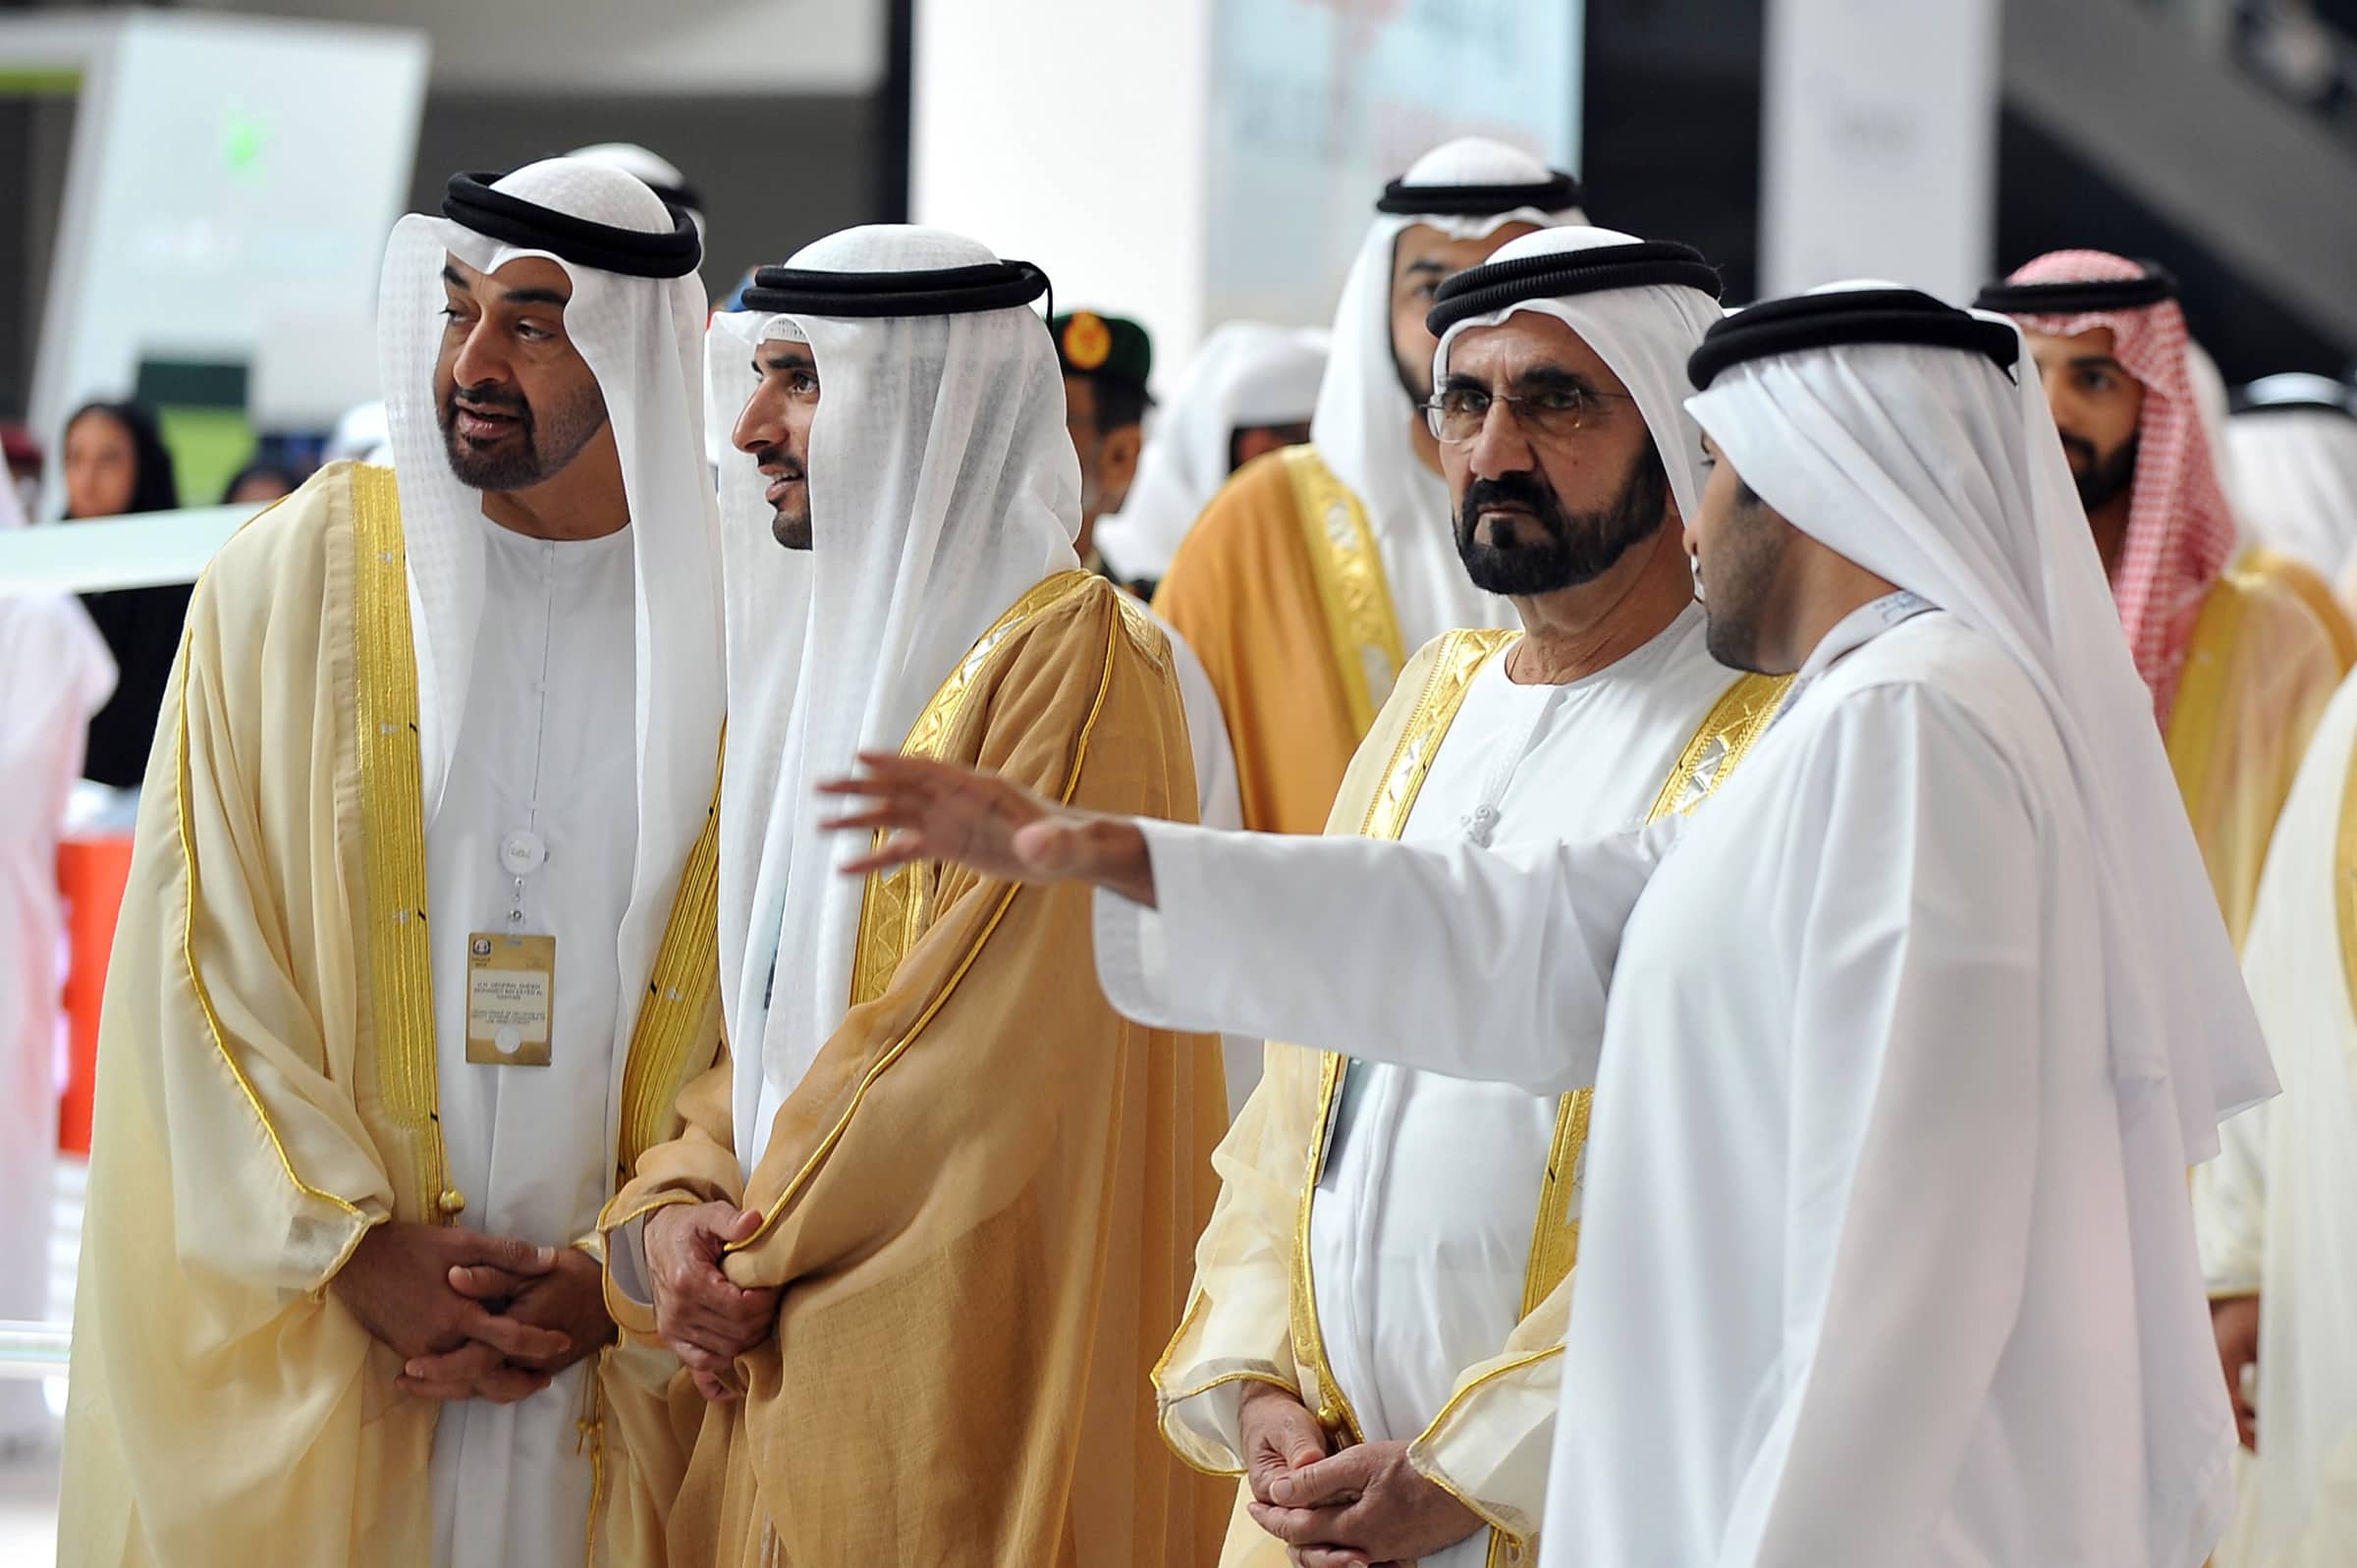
pixel 512 977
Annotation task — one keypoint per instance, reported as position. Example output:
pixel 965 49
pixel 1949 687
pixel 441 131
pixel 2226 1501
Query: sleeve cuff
pixel 630 1296
pixel 1203 1429
pixel 626 1262
pixel 1134 944
pixel 1132 962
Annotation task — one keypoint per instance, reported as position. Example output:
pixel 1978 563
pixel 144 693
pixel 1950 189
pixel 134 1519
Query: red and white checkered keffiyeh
pixel 2181 530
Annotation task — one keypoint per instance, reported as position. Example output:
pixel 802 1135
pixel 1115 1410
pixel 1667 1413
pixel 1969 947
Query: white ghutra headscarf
pixel 943 485
pixel 637 332
pixel 1645 331
pixel 1363 424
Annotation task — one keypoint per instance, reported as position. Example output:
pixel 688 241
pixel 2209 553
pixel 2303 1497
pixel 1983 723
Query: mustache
pixel 776 462
pixel 492 399
pixel 2078 446
pixel 1522 488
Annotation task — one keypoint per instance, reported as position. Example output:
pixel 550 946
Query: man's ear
pixel 1116 465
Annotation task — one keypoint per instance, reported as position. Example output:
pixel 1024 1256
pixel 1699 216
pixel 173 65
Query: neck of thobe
pixel 1574 632
pixel 583 500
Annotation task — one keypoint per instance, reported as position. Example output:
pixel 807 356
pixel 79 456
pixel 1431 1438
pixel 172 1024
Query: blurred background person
pixel 2238 663
pixel 115 463
pixel 1313 575
pixel 1248 391
pixel 2294 476
pixel 257 484
pixel 1106 363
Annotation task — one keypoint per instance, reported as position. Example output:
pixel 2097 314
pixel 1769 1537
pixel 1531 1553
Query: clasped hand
pixel 1364 1507
pixel 706 1319
pixel 474 1316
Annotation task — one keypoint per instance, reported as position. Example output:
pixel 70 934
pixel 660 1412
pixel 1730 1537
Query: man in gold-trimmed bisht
pixel 928 1227
pixel 1318 570
pixel 1389 1270
pixel 416 951
pixel 2240 656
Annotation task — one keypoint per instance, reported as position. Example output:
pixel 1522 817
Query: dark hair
pixel 154 487
pixel 1121 401
pixel 257 470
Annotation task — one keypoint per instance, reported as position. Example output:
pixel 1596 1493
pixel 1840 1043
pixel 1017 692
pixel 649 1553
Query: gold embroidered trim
pixel 1461 656
pixel 1507 1544
pixel 1352 590
pixel 400 987
pixel 1037 598
pixel 897 906
pixel 1165 1399
pixel 681 993
pixel 2201 705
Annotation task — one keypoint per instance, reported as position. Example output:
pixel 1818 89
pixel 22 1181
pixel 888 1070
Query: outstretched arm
pixel 1457 960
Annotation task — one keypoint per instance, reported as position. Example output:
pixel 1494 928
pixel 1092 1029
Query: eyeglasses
pixel 1549 413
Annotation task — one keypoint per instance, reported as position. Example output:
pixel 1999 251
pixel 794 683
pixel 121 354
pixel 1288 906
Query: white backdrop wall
pixel 1073 133
pixel 1880 156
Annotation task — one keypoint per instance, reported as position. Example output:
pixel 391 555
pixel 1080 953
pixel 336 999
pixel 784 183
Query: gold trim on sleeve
pixel 188 957
pixel 401 980
pixel 681 992
pixel 1353 589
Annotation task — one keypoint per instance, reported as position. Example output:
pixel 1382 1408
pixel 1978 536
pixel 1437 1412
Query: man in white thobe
pixel 1443 1219
pixel 1905 1041
pixel 417 950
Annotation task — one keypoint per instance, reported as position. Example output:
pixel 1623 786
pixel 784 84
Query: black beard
pixel 2101 479
pixel 1574 550
pixel 527 464
pixel 791 530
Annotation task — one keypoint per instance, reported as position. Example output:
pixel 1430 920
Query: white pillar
pixel 1879 119
pixel 1073 133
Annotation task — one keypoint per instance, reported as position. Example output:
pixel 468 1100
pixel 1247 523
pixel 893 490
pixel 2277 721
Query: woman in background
pixel 115 463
